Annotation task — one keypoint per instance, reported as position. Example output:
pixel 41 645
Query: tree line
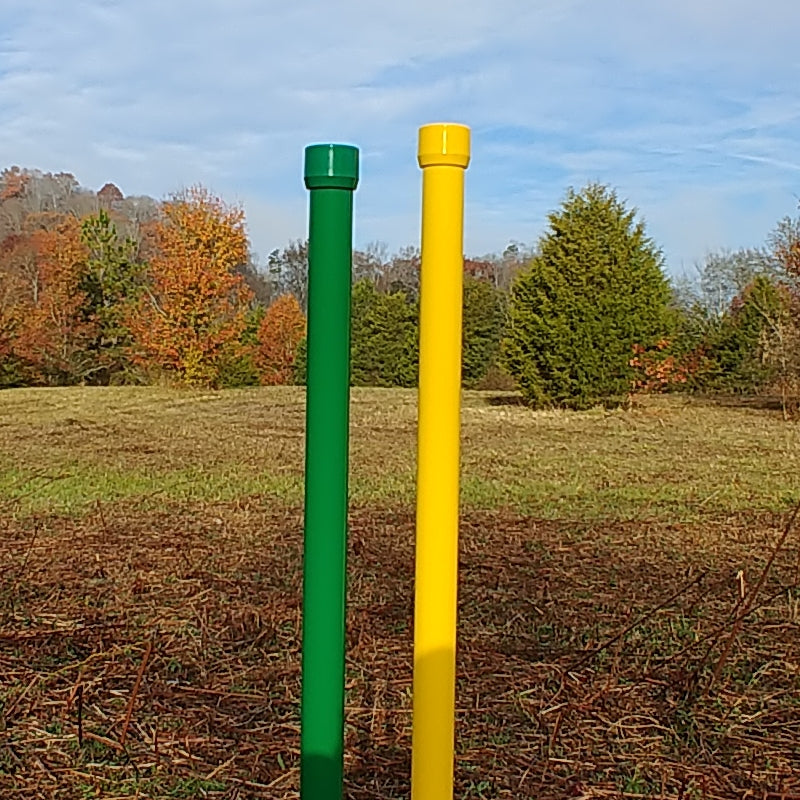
pixel 97 288
pixel 100 289
pixel 594 319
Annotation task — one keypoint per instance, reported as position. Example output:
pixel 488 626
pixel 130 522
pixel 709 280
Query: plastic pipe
pixel 331 175
pixel 444 151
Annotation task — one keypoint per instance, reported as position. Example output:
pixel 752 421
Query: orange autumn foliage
pixel 279 335
pixel 10 291
pixel 51 330
pixel 189 321
pixel 7 314
pixel 659 371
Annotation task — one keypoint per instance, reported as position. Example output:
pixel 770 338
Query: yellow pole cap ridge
pixel 443 144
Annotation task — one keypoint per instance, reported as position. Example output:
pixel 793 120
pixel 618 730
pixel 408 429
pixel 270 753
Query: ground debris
pixel 156 654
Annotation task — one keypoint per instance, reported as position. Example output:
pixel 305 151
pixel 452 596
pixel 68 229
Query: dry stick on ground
pixel 24 565
pixel 587 750
pixel 713 634
pixel 734 617
pixel 8 711
pixel 638 621
pixel 751 598
pixel 797 567
pixel 79 708
pixel 135 691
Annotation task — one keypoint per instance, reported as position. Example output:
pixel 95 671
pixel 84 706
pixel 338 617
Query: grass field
pixel 629 607
pixel 64 450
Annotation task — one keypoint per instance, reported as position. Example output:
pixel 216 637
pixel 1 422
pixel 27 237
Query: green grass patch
pixel 65 450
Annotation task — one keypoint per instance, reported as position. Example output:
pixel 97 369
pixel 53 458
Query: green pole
pixel 331 175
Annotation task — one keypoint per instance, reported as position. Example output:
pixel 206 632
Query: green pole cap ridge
pixel 331 166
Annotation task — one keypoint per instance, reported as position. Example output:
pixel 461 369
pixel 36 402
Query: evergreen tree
pixel 111 278
pixel 239 368
pixel 594 290
pixel 484 319
pixel 737 347
pixel 384 337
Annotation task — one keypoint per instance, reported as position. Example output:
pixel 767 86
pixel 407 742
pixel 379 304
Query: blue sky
pixel 689 108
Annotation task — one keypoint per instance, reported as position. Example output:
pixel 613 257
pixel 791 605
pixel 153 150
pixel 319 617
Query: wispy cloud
pixel 690 109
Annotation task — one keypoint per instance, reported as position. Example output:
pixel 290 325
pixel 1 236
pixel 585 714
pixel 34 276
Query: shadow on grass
pixel 506 400
pixel 384 772
pixel 759 402
pixel 375 770
pixel 737 401
pixel 383 768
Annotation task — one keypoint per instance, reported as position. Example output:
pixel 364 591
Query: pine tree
pixel 750 329
pixel 384 337
pixel 111 280
pixel 595 289
pixel 484 319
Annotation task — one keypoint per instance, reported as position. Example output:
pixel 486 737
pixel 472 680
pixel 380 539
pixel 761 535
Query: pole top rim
pixel 444 144
pixel 331 166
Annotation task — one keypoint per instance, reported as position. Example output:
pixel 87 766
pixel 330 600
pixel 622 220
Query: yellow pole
pixel 443 155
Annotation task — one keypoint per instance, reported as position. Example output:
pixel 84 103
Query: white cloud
pixel 689 107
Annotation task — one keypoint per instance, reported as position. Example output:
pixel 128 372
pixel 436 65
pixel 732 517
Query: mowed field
pixel 629 601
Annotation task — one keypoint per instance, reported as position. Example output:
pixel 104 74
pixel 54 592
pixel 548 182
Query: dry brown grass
pixel 629 608
pixel 587 652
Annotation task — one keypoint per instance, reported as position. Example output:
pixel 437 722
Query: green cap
pixel 331 166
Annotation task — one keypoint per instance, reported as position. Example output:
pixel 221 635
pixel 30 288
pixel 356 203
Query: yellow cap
pixel 443 144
